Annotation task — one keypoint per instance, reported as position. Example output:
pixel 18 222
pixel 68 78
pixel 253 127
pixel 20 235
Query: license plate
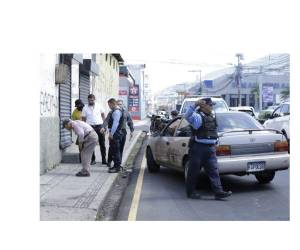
pixel 256 166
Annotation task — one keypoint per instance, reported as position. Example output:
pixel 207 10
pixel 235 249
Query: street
pixel 163 198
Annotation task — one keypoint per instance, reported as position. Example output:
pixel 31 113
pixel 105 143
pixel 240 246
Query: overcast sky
pixel 163 74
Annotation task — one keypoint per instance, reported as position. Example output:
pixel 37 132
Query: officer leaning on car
pixel 202 149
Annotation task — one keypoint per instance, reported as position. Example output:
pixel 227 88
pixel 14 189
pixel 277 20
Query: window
pixel 184 129
pixel 236 121
pixel 285 109
pixel 276 112
pixel 109 60
pixel 106 57
pixel 170 130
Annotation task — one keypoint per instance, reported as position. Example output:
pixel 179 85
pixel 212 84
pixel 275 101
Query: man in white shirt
pixel 94 115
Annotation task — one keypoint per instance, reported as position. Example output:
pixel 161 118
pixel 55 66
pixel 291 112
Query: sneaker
pixel 104 162
pixel 83 174
pixel 222 194
pixel 93 162
pixel 109 164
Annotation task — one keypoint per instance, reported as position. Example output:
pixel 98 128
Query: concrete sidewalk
pixel 63 196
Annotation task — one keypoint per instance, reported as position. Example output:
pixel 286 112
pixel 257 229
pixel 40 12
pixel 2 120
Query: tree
pixel 285 94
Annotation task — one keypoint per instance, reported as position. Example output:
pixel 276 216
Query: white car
pixel 247 109
pixel 244 147
pixel 280 119
pixel 219 106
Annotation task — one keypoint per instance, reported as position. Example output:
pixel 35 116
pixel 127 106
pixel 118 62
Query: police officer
pixel 115 124
pixel 202 148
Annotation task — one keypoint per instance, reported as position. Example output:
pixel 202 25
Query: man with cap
pixel 77 115
pixel 87 139
pixel 202 149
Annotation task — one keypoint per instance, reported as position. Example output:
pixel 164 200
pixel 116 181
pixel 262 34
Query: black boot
pixel 222 194
pixel 114 170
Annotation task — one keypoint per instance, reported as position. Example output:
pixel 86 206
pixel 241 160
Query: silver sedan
pixel 244 147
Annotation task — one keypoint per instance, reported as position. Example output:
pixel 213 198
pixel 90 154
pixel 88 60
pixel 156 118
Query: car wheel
pixel 265 177
pixel 152 166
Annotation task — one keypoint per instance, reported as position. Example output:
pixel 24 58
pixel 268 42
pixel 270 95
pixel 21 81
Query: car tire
pixel 152 166
pixel 265 177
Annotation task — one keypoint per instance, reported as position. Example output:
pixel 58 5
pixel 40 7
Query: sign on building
pixel 267 94
pixel 134 102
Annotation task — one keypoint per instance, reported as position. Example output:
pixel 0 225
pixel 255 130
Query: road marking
pixel 137 192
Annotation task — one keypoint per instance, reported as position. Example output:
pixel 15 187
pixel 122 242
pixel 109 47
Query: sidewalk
pixel 63 196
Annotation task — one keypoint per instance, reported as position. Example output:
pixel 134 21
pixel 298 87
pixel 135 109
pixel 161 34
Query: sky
pixel 167 70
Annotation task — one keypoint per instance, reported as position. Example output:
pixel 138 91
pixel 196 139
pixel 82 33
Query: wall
pixel 106 85
pixel 50 154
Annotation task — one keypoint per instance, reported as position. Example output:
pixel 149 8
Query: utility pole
pixel 260 87
pixel 239 76
pixel 200 85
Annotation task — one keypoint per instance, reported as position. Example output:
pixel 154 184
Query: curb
pixel 111 181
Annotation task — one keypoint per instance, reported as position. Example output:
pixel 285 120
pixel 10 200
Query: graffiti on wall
pixel 48 104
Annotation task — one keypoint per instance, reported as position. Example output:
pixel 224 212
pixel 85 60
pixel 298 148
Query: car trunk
pixel 245 143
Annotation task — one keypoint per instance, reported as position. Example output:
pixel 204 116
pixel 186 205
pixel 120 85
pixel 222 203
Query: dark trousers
pixel 202 155
pixel 122 144
pixel 115 150
pixel 101 139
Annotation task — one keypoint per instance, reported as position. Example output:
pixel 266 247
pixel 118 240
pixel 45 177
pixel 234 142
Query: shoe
pixel 114 170
pixel 83 174
pixel 194 195
pixel 109 164
pixel 104 162
pixel 93 162
pixel 222 194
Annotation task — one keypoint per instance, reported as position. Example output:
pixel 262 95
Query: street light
pixel 239 76
pixel 198 71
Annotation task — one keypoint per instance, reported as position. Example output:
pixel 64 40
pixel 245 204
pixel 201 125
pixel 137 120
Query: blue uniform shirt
pixel 195 120
pixel 116 115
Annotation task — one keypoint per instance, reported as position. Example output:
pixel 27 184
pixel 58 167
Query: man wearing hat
pixel 77 113
pixel 87 138
pixel 202 148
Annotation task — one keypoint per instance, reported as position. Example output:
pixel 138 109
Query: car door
pixel 162 144
pixel 178 147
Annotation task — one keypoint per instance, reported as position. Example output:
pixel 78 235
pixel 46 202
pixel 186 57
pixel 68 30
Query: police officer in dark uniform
pixel 202 148
pixel 115 125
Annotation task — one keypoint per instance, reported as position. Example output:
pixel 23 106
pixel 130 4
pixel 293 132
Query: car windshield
pixel 219 106
pixel 236 121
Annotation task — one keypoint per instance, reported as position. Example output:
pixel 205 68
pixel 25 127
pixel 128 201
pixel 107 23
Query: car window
pixel 276 112
pixel 220 106
pixel 170 129
pixel 184 129
pixel 236 121
pixel 285 109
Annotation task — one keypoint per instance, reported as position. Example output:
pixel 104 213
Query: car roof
pixel 242 108
pixel 201 97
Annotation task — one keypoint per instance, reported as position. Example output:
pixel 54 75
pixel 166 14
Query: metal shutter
pixel 84 87
pixel 65 109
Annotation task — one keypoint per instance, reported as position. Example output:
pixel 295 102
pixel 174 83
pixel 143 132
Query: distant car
pixel 266 114
pixel 244 147
pixel 246 109
pixel 219 106
pixel 280 119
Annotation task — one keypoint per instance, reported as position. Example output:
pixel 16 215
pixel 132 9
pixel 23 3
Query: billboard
pixel 134 102
pixel 267 94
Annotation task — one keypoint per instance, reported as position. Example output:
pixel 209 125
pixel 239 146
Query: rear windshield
pixel 220 106
pixel 236 121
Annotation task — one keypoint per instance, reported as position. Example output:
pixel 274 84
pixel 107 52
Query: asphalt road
pixel 163 198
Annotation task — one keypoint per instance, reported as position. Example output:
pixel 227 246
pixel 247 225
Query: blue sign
pixel 208 83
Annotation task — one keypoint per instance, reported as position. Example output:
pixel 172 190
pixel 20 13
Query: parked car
pixel 266 114
pixel 246 109
pixel 219 106
pixel 244 147
pixel 280 119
